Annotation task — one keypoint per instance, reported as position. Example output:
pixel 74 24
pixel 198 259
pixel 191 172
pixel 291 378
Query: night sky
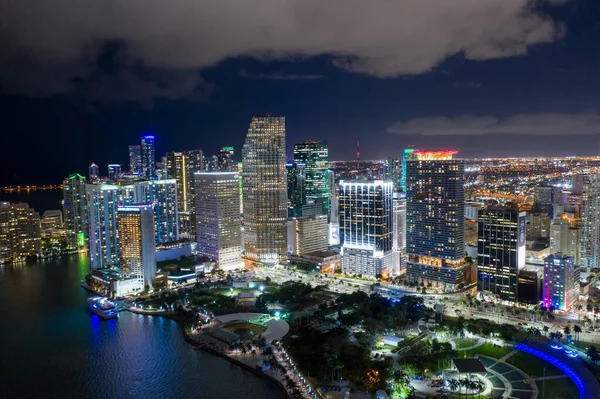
pixel 80 81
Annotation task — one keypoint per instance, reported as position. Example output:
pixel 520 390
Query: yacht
pixel 103 307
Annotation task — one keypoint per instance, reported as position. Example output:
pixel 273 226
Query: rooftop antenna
pixel 358 154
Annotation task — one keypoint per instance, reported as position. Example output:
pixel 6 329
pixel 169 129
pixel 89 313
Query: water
pixel 51 346
pixel 41 200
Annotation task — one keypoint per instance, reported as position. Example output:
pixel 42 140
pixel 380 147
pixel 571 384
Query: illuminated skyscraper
pixel 226 162
pixel 148 157
pixel 334 210
pixel 162 194
pixel 20 232
pixel 94 172
pixel 309 234
pixel 137 255
pixel 75 211
pixel 315 157
pixel 561 282
pixel 565 238
pixel 102 202
pixel 114 171
pixel 366 225
pixel 500 251
pixel 135 159
pixel 177 169
pixel 218 228
pixel 264 190
pixel 435 228
pixel 296 188
pixel 399 234
pixel 393 171
pixel 590 224
pixel 406 156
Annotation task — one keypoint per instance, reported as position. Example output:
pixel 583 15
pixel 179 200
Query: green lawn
pixel 227 291
pixel 465 342
pixel 559 388
pixel 533 365
pixel 487 349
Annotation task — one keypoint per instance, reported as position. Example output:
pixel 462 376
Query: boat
pixel 103 307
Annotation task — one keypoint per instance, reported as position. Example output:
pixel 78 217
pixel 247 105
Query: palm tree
pixel 592 354
pixel 546 329
pixel 454 384
pixel 567 330
pixel 577 330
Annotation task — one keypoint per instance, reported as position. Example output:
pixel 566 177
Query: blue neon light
pixel 568 371
pixel 556 347
pixel 149 137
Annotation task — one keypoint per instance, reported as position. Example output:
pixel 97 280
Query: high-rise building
pixel 52 219
pixel 500 251
pixel 564 238
pixel 406 156
pixel 296 188
pixel 265 190
pixel 334 210
pixel 399 234
pixel 315 157
pixel 20 232
pixel 226 162
pixel 177 169
pixel 102 203
pixel 577 182
pixel 94 172
pixel 538 226
pixel 366 226
pixel 590 225
pixel 435 228
pixel 135 159
pixel 75 211
pixel 218 228
pixel 530 285
pixel 392 170
pixel 148 157
pixel 137 254
pixel 114 171
pixel 162 194
pixel 309 234
pixel 561 282
pixel 194 163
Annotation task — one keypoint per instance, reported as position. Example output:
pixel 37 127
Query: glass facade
pixel 590 225
pixel 296 188
pixel 315 157
pixel 75 210
pixel 137 256
pixel 135 159
pixel 148 157
pixel 265 190
pixel 561 282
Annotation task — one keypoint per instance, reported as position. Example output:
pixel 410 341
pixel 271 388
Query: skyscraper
pixel 334 210
pixel 315 157
pixel 393 171
pixel 177 169
pixel 20 232
pixel 226 162
pixel 75 211
pixel 565 238
pixel 135 159
pixel 296 188
pixel 500 251
pixel 435 229
pixel 137 255
pixel 406 156
pixel 590 225
pixel 114 171
pixel 218 228
pixel 561 282
pixel 148 157
pixel 102 202
pixel 399 234
pixel 94 172
pixel 366 226
pixel 264 190
pixel 309 234
pixel 162 194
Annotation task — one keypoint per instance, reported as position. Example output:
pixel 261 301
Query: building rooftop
pixel 469 366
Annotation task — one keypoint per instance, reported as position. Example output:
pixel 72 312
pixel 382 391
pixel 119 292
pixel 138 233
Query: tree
pixel 546 329
pixel 592 354
pixel 567 330
pixel 577 330
pixel 454 384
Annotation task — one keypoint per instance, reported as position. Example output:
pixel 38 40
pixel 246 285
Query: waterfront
pixel 52 346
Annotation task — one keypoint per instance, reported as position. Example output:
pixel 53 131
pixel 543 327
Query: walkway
pixel 480 341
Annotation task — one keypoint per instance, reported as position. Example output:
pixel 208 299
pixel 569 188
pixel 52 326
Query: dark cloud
pixel 52 46
pixel 278 76
pixel 528 124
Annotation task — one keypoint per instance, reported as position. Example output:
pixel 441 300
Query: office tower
pixel 102 203
pixel 148 157
pixel 75 211
pixel 218 228
pixel 52 219
pixel 135 159
pixel 406 156
pixel 226 162
pixel 334 210
pixel 393 171
pixel 315 157
pixel 177 169
pixel 366 226
pixel 564 238
pixel 296 188
pixel 20 232
pixel 137 254
pixel 162 194
pixel 543 195
pixel 114 171
pixel 309 234
pixel 538 226
pixel 590 225
pixel 94 172
pixel 561 282
pixel 239 168
pixel 194 159
pixel 399 234
pixel 530 285
pixel 435 228
pixel 264 190
pixel 577 182
pixel 500 251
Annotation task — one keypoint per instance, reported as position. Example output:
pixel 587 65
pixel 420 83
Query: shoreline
pixel 200 346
